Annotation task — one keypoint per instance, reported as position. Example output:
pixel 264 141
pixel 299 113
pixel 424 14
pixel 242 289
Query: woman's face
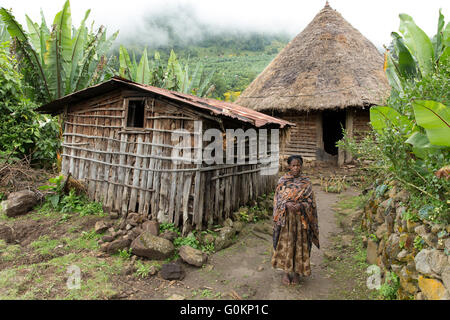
pixel 295 167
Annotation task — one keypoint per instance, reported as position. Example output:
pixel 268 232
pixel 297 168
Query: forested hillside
pixel 236 56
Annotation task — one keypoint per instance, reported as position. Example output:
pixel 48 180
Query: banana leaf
pixel 406 65
pixel 437 39
pixel 16 31
pixel 78 44
pixel 125 69
pixel 382 117
pixel 421 146
pixel 434 117
pixel 418 43
pixel 143 70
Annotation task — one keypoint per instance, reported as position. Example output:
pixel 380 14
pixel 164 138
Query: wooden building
pixel 119 139
pixel 324 80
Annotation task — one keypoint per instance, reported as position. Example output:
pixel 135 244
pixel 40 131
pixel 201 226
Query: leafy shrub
pixel 23 131
pixel 388 290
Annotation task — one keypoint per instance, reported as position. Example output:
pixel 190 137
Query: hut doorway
pixel 332 124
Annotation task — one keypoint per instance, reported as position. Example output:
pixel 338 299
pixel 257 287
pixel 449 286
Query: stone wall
pixel 417 251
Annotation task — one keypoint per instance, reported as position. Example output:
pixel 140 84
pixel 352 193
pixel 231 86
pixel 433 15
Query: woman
pixel 295 223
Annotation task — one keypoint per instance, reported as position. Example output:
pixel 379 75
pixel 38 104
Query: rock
pixel 381 231
pixel 192 256
pixel 435 229
pixel 169 235
pixel 396 268
pixel 260 268
pixel 114 215
pixel 134 233
pixel 402 256
pixel 151 226
pixel 152 247
pixel 176 297
pixel 411 225
pixel 421 230
pixel 172 271
pixel 429 261
pixel 128 227
pixel 389 224
pixel 430 239
pixel 208 238
pixel 18 203
pixel 100 227
pixel 123 224
pixel 116 245
pixel 432 289
pixel 393 245
pixel 6 233
pixel 228 223
pixel 422 260
pixel 238 226
pixel 381 247
pixel 406 282
pixel 438 261
pixel 107 238
pixel 372 247
pixel 224 239
pixel 446 277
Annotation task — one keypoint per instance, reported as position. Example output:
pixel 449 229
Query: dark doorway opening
pixel 332 124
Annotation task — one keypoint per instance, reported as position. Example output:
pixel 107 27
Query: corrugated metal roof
pixel 212 106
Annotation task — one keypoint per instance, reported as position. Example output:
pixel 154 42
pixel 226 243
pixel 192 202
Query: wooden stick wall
pixel 131 170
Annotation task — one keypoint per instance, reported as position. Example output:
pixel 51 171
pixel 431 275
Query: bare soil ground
pixel 36 266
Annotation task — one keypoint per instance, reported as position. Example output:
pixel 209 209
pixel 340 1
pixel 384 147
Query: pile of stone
pixel 418 252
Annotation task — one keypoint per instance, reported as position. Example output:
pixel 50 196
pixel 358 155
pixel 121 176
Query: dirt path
pixel 244 268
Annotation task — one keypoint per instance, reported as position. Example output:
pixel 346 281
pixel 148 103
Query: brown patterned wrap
pixel 294 231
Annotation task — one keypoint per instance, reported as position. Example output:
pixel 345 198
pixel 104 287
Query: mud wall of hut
pixel 131 170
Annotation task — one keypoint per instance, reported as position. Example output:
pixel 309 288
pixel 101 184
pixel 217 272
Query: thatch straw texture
pixel 328 65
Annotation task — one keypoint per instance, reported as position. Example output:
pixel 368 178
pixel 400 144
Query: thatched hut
pixel 120 138
pixel 326 78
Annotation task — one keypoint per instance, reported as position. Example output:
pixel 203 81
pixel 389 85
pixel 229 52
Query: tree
pixel 172 77
pixel 62 60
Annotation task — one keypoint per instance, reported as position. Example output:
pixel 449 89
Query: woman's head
pixel 295 163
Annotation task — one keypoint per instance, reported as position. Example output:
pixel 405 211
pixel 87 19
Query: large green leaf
pixel 421 145
pixel 382 117
pixel 78 42
pixel 125 69
pixel 406 65
pixel 143 70
pixel 418 42
pixel 16 31
pixel 437 39
pixel 434 117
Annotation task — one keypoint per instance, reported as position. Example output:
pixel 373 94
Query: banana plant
pixel 415 54
pixel 429 132
pixel 173 76
pixel 61 59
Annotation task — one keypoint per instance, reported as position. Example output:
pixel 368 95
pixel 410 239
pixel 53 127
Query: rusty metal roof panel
pixel 215 107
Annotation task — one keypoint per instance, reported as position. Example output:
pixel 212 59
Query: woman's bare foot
pixel 295 278
pixel 286 281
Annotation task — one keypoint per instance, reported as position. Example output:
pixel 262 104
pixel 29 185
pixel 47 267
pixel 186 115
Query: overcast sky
pixel 375 19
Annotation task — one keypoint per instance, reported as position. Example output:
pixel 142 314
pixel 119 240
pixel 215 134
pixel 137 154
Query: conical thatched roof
pixel 329 64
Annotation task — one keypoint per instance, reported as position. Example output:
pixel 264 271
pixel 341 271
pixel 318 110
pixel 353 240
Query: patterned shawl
pixel 298 190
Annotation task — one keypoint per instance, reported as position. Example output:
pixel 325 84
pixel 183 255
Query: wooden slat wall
pixel 130 170
pixel 303 137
